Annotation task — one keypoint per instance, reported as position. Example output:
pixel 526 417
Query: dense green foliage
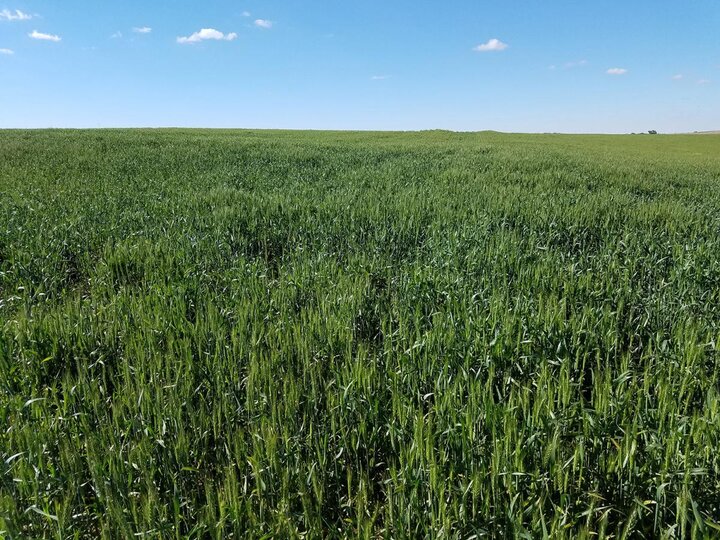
pixel 223 334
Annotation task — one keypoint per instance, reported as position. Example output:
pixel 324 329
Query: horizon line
pixel 351 130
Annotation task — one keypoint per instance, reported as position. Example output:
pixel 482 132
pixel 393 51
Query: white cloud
pixel 205 34
pixel 17 15
pixel 45 37
pixel 493 44
pixel 7 51
pixel 616 71
pixel 379 77
pixel 263 23
pixel 703 82
pixel 245 14
pixel 116 35
pixel 142 29
pixel 677 77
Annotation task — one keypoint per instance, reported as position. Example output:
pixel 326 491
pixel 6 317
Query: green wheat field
pixel 272 334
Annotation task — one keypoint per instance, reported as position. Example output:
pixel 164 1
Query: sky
pixel 521 66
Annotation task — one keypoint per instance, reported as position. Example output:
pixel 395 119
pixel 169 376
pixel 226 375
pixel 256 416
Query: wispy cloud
pixel 17 15
pixel 616 71
pixel 677 77
pixel 703 82
pixel 379 77
pixel 142 29
pixel 245 14
pixel 263 23
pixel 576 64
pixel 207 34
pixel 569 65
pixel 44 37
pixel 116 35
pixel 493 44
pixel 7 52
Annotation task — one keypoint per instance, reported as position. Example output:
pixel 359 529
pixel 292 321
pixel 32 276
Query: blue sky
pixel 550 65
